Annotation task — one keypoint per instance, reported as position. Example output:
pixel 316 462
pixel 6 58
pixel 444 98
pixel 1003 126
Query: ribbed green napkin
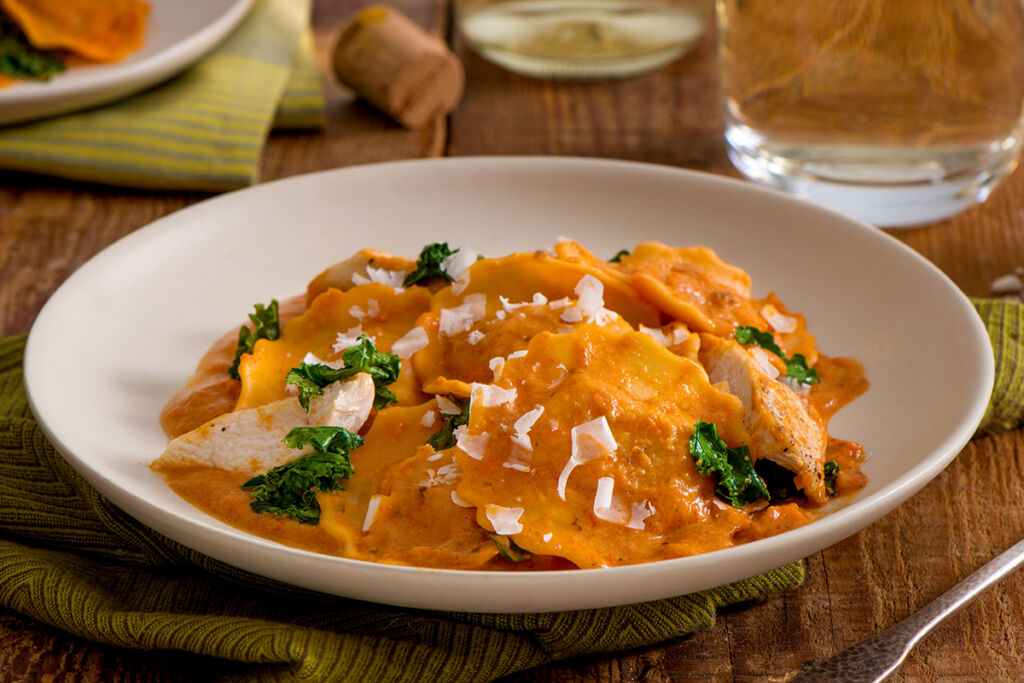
pixel 69 558
pixel 202 130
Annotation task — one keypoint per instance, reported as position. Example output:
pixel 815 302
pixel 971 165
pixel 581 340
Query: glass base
pixel 890 187
pixel 582 39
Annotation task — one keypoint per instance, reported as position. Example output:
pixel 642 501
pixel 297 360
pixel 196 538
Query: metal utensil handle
pixel 874 658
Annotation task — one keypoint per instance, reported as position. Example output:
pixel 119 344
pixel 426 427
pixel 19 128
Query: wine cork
pixel 396 66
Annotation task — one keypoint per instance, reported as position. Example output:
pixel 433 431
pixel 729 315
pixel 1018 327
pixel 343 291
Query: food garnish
pixel 738 483
pixel 311 378
pixel 265 326
pixel 289 490
pixel 796 367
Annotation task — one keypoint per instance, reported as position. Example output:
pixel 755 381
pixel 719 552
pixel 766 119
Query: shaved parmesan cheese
pixel 461 318
pixel 603 497
pixel 657 334
pixel 589 302
pixel 546 537
pixel 391 278
pixel 371 512
pixel 589 440
pixel 475 337
pixel 473 446
pixel 500 315
pixel 764 361
pixel 525 423
pixel 517 354
pixel 449 474
pixel 457 265
pixel 428 419
pixel 523 441
pixel 412 341
pixel 559 303
pixel 640 512
pixel 497 364
pixel 446 407
pixel 519 460
pixel 372 308
pixel 357 313
pixel 435 457
pixel 348 338
pixel 504 520
pixel 491 395
pixel 460 501
pixel 779 321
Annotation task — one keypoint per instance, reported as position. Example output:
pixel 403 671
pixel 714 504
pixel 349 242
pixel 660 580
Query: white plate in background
pixel 126 330
pixel 178 33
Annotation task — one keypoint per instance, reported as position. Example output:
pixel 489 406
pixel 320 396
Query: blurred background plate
pixel 178 34
pixel 125 331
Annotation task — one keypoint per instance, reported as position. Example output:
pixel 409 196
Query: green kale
pixel 445 436
pixel 265 326
pixel 832 469
pixel 738 483
pixel 311 378
pixel 796 367
pixel 508 549
pixel 618 256
pixel 289 490
pixel 429 263
pixel 781 483
pixel 20 59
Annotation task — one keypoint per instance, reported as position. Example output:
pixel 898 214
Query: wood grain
pixel 862 585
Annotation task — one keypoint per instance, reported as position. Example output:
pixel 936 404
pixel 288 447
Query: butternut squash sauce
pixel 585 384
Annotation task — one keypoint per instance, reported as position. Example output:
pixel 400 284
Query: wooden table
pixel 864 584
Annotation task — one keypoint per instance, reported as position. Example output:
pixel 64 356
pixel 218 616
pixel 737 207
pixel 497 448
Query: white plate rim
pixel 23 102
pixel 472 585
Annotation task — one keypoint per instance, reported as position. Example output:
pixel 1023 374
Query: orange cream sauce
pixel 407 504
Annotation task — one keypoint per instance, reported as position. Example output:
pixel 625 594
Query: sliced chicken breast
pixel 250 440
pixel 781 426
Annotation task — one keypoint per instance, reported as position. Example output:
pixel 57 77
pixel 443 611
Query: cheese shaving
pixel 461 318
pixel 446 406
pixel 460 501
pixel 348 338
pixel 638 513
pixel 589 440
pixel 491 395
pixel 475 337
pixel 497 364
pixel 412 341
pixel 779 321
pixel 527 420
pixel 371 512
pixel 473 446
pixel 589 302
pixel 428 419
pixel 505 520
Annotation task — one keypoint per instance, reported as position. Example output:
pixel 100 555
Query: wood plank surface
pixel 860 586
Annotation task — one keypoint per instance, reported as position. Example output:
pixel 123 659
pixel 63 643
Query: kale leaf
pixel 508 549
pixel 832 469
pixel 429 264
pixel 796 367
pixel 738 483
pixel 311 378
pixel 20 59
pixel 445 436
pixel 289 490
pixel 618 256
pixel 265 326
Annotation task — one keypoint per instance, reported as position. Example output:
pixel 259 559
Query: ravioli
pixel 100 30
pixel 547 410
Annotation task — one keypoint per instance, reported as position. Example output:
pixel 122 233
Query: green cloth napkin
pixel 70 558
pixel 202 130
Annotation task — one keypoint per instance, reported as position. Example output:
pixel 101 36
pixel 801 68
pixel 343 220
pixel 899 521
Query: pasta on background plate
pixel 544 410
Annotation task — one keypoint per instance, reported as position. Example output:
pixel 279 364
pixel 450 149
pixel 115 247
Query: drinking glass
pixel 582 39
pixel 896 112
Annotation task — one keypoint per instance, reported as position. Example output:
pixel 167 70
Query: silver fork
pixel 876 658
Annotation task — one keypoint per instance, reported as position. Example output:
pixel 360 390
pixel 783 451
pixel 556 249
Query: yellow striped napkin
pixel 202 130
